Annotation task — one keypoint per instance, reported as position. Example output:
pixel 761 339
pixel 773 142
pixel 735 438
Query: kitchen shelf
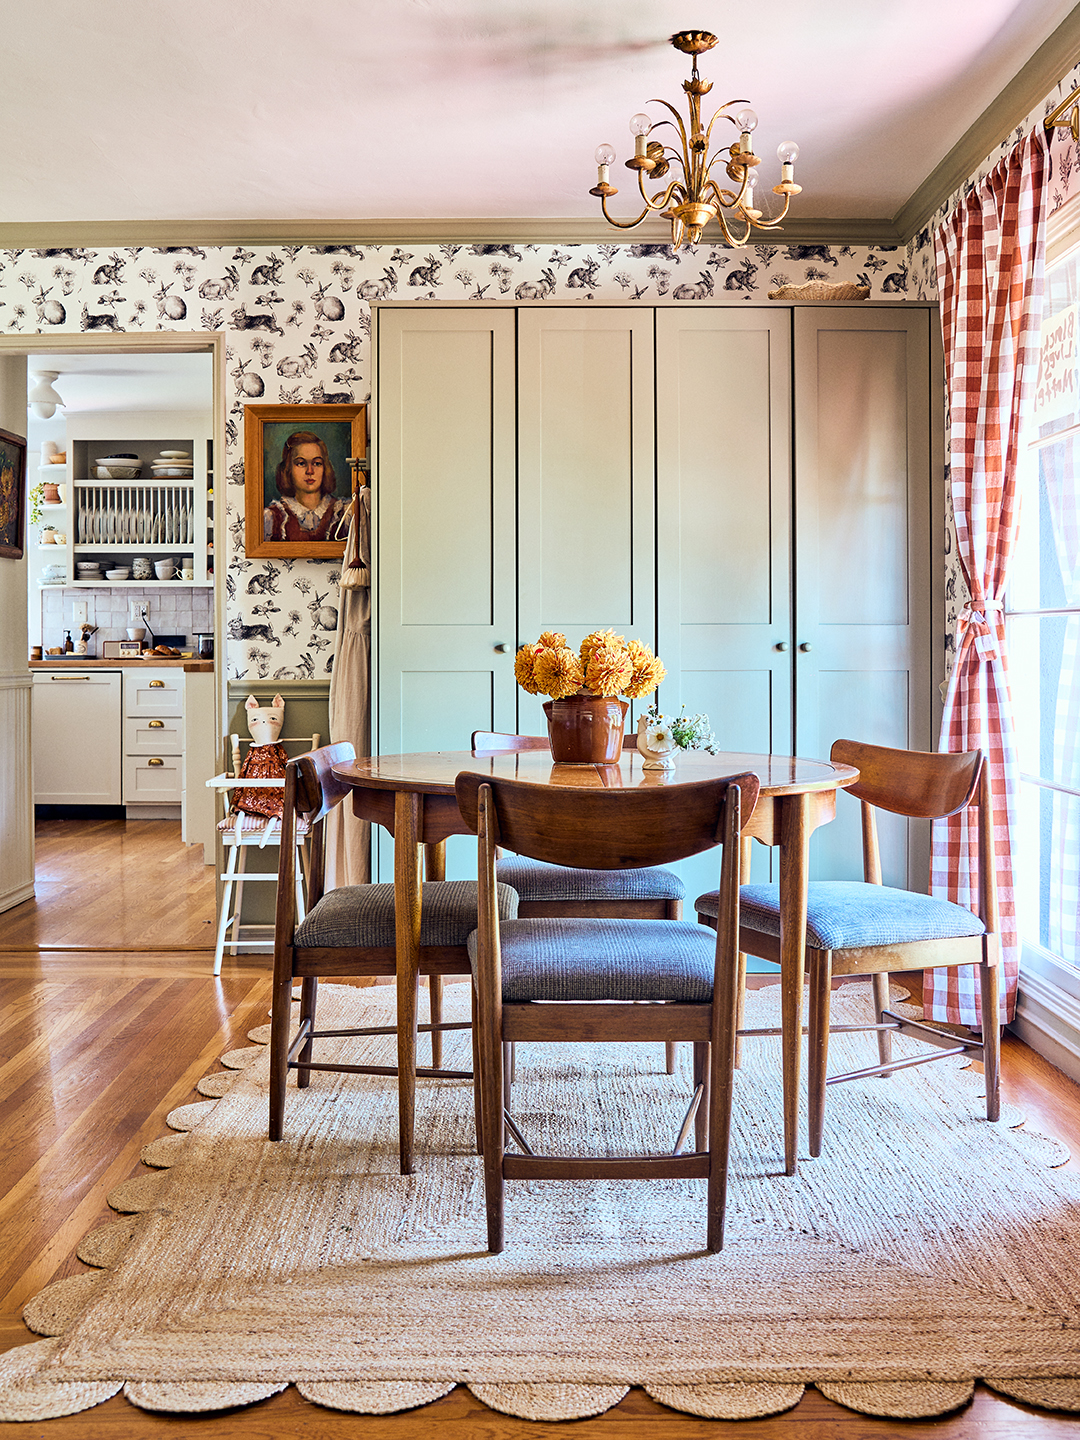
pixel 54 505
pixel 104 584
pixel 108 547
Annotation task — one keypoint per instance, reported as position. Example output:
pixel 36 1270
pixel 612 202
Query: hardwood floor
pixel 97 1046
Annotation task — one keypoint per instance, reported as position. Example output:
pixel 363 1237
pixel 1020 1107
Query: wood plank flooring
pixel 96 1047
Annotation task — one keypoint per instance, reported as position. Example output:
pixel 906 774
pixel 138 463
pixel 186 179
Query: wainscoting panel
pixel 16 793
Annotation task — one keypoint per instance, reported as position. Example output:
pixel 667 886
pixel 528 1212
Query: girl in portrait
pixel 306 483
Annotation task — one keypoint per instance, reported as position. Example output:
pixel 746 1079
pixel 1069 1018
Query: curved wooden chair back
pixel 921 785
pixel 495 742
pixel 606 829
pixel 317 789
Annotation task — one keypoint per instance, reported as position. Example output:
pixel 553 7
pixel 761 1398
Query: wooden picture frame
pixel 340 433
pixel 12 495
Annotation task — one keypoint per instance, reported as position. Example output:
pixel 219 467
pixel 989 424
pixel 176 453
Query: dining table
pixel 412 796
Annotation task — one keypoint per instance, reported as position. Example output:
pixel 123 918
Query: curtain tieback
pixel 976 618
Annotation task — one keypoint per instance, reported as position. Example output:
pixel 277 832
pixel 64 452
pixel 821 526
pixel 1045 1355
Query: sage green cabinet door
pixel 862 547
pixel 443 497
pixel 586 552
pixel 723 408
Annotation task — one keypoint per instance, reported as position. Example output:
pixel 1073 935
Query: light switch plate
pixel 80 612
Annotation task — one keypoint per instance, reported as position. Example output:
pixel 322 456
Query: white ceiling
pixel 120 382
pixel 431 109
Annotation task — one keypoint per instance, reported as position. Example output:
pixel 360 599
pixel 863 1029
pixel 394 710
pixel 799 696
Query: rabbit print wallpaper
pixel 298 325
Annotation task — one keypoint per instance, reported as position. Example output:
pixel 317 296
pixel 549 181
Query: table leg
pixel 435 869
pixel 794 863
pixel 408 810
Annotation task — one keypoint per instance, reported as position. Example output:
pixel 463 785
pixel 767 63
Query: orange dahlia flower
pixel 648 671
pixel 558 673
pixel 525 669
pixel 609 670
pixel 596 639
pixel 552 640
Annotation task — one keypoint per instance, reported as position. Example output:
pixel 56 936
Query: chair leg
pixel 226 906
pixel 669 1056
pixel 507 1061
pixel 881 1002
pixel 491 1104
pixel 721 1084
pixel 991 1034
pixel 701 1077
pixel 740 1007
pixel 309 993
pixel 477 1105
pixel 240 868
pixel 300 910
pixel 280 1015
pixel 435 999
pixel 820 974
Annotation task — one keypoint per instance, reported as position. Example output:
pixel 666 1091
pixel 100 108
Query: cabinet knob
pixel 157 725
pixel 781 645
pixel 157 684
pixel 501 648
pixel 155 762
pixel 805 648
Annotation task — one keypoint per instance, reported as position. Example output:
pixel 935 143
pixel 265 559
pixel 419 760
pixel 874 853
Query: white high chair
pixel 239 832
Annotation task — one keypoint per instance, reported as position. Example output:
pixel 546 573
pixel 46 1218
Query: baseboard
pixel 1048 1019
pixel 11 898
pixel 151 811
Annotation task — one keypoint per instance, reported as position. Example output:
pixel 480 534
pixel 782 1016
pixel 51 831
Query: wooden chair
pixel 350 931
pixel 592 973
pixel 865 928
pixel 239 833
pixel 568 891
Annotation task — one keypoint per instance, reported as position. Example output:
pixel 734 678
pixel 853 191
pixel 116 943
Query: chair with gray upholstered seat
pixel 349 931
pixel 550 978
pixel 867 928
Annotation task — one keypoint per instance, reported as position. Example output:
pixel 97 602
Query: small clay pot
pixel 586 729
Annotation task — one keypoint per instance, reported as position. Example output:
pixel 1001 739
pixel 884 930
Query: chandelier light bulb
pixel 605 154
pixel 787 152
pixel 747 121
pixel 42 398
pixel 640 124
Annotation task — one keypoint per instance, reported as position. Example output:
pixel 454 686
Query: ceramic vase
pixel 586 729
pixel 654 757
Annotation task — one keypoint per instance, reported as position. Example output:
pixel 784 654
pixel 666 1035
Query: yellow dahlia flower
pixel 552 640
pixel 597 638
pixel 558 673
pixel 648 671
pixel 609 670
pixel 525 669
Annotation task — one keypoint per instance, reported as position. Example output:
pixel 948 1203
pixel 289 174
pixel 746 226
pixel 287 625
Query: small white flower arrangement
pixel 659 736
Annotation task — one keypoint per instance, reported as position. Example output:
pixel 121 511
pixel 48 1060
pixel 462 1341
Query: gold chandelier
pixel 695 198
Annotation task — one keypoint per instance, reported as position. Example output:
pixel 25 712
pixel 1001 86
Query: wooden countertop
pixel 80 662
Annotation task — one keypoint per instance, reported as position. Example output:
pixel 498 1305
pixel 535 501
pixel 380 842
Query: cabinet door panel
pixel 862 504
pixel 76 738
pixel 723 532
pixel 585 474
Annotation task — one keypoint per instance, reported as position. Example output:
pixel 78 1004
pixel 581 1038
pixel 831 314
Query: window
pixel 1043 614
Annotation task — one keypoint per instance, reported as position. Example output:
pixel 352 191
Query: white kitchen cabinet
pixel 76 737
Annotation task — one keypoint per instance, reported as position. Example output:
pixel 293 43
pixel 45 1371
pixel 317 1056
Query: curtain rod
pixel 1054 121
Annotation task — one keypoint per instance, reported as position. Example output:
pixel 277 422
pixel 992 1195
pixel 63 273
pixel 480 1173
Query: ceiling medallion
pixel 694 197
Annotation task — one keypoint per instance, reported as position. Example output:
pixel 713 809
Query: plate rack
pixel 133 516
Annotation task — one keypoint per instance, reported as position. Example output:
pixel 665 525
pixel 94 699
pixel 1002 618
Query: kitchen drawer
pixel 153 779
pixel 154 735
pixel 153 692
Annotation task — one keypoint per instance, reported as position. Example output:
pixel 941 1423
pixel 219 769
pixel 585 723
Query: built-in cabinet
pixel 748 489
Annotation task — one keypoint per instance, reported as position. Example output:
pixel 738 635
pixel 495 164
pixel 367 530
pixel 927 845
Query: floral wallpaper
pixel 921 268
pixel 298 322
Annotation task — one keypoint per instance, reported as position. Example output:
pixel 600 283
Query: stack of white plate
pixel 173 465
pixel 88 569
pixel 118 467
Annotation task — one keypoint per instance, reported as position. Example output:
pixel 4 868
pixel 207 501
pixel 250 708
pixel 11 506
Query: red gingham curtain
pixel 990 278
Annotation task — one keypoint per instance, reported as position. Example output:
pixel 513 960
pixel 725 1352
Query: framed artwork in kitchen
pixel 12 495
pixel 298 479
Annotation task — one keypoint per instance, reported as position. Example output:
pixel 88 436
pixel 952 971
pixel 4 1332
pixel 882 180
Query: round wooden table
pixel 412 796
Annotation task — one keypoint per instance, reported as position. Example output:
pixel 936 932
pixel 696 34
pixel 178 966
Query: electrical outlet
pixel 138 609
pixel 80 612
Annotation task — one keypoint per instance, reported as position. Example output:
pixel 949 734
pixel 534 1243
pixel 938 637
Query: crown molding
pixel 67 234
pixel 1028 88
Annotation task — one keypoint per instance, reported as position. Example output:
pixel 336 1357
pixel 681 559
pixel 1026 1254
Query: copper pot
pixel 586 729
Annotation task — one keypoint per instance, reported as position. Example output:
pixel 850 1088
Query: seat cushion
pixel 535 880
pixel 359 917
pixel 556 959
pixel 849 915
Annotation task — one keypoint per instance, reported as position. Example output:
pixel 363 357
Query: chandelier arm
pixel 727 198
pixel 621 224
pixel 658 202
pixel 682 133
pixel 774 221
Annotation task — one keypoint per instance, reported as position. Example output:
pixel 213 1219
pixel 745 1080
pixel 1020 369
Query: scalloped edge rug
pixel 924 1250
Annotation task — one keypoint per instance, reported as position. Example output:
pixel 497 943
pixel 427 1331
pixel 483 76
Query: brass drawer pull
pixel 155 762
pixel 69 677
pixel 157 725
pixel 157 684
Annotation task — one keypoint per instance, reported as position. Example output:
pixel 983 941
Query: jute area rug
pixel 925 1249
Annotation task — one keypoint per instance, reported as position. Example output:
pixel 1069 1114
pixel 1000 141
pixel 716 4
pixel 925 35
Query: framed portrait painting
pixel 12 494
pixel 297 477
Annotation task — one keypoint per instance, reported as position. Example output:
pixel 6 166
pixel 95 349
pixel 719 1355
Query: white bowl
pixel 135 632
pixel 176 455
pixel 119 472
pixel 123 574
pixel 179 472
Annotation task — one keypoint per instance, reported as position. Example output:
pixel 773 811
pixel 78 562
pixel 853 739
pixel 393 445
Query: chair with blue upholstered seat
pixel 867 928
pixel 350 931
pixel 567 891
pixel 550 978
